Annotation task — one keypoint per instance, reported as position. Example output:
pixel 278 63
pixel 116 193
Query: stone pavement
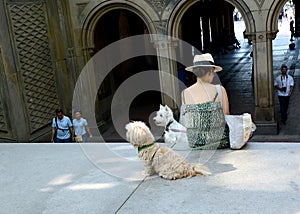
pixel 74 178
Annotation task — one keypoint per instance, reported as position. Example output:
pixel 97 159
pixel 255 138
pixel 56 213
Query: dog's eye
pixel 160 115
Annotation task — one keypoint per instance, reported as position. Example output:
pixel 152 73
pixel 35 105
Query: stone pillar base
pixel 265 121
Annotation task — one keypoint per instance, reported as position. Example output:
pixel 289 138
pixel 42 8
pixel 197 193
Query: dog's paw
pixel 148 172
pixel 145 173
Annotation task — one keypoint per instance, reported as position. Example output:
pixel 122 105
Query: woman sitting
pixel 204 105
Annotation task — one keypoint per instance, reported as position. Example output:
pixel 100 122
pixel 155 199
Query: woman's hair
pixel 201 71
pixel 77 111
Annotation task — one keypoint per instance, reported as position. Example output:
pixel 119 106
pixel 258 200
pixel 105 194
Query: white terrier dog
pixel 174 131
pixel 160 159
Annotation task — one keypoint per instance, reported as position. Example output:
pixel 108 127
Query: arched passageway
pixel 111 27
pixel 284 13
pixel 215 33
pixel 190 21
pixel 205 31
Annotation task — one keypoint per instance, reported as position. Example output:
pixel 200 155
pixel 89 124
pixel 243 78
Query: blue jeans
pixel 84 138
pixel 63 140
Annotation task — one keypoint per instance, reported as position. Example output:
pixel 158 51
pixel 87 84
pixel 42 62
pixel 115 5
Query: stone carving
pixel 3 125
pixel 158 5
pixel 30 34
pixel 3 122
pixel 161 26
pixel 81 7
pixel 259 3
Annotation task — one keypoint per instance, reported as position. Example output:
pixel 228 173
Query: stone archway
pixel 263 78
pixel 183 8
pixel 246 13
pixel 282 54
pixel 96 9
pixel 175 15
pixel 196 9
pixel 272 19
pixel 106 26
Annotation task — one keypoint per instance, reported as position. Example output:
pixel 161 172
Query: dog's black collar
pixel 144 147
pixel 168 125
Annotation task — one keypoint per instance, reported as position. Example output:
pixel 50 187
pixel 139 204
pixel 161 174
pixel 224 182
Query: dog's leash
pixel 177 130
pixel 173 130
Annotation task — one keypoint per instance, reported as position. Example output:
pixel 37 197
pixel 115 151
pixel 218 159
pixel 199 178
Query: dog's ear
pixel 160 106
pixel 127 126
pixel 169 112
pixel 167 108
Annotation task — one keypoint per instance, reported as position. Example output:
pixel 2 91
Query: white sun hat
pixel 204 60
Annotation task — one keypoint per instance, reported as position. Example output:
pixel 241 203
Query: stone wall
pixel 30 67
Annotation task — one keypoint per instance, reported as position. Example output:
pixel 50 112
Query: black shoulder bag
pixel 57 127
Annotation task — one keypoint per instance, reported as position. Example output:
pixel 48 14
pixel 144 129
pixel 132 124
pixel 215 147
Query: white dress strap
pixel 220 94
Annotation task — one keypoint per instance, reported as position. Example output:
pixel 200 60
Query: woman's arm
pixel 52 135
pixel 225 101
pixel 72 133
pixel 89 131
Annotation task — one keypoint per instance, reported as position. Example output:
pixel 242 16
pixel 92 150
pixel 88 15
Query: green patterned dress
pixel 206 125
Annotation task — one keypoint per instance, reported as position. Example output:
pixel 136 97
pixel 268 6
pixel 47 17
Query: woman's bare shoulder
pixel 223 89
pixel 190 88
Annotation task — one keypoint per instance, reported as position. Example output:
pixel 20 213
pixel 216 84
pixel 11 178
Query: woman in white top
pixel 81 127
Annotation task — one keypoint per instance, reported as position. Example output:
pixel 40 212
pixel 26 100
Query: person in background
pixel 280 19
pixel 62 128
pixel 292 29
pixel 81 126
pixel 284 84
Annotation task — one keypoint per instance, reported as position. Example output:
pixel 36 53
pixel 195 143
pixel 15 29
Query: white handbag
pixel 241 127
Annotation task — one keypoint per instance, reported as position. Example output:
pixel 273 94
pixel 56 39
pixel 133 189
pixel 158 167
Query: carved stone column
pixel 206 34
pixel 167 69
pixel 297 18
pixel 264 82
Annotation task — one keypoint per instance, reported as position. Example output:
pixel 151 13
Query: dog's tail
pixel 200 169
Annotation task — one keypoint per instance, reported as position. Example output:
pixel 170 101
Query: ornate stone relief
pixel 30 35
pixel 161 26
pixel 158 5
pixel 80 7
pixel 3 125
pixel 259 3
pixel 3 122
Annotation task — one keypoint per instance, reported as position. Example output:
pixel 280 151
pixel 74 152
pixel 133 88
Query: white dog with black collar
pixel 174 131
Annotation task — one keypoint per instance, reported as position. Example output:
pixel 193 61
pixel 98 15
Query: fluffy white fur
pixel 160 159
pixel 174 131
